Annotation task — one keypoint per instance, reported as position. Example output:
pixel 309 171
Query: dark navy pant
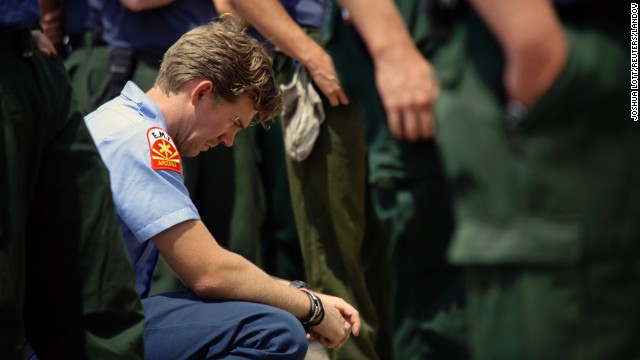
pixel 180 325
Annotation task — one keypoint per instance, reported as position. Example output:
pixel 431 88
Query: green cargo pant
pixel 263 226
pixel 88 68
pixel 65 277
pixel 412 202
pixel 342 244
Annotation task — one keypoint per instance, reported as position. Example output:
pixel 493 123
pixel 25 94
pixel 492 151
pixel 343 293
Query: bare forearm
pixel 213 272
pixel 52 23
pixel 368 17
pixel 236 278
pixel 244 281
pixel 279 28
pixel 519 25
pixel 404 78
pixel 533 42
pixel 224 7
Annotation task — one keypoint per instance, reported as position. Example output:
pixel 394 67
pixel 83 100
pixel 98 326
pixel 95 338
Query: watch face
pixel 299 284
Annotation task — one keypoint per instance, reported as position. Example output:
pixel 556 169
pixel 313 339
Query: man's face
pixel 216 122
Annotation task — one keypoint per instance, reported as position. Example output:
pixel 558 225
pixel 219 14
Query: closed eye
pixel 238 122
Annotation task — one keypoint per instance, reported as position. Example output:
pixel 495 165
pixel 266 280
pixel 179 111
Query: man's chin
pixel 192 153
pixel 203 149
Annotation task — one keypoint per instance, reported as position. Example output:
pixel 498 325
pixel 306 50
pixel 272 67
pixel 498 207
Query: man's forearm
pixel 213 272
pixel 279 28
pixel 533 42
pixel 519 24
pixel 238 279
pixel 379 24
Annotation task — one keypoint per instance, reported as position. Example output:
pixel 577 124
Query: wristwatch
pixel 299 284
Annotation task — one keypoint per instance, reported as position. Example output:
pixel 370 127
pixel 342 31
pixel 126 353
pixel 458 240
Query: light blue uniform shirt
pixel 147 201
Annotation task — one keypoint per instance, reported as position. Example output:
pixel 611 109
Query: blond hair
pixel 235 62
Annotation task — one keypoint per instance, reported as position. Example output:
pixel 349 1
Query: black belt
pixel 87 38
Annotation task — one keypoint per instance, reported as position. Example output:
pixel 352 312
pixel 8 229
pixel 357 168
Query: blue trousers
pixel 180 325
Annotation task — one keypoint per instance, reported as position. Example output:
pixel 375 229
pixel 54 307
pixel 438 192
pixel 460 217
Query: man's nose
pixel 228 138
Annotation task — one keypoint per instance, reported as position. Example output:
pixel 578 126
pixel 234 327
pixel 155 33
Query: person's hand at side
pixel 323 71
pixel 281 30
pixel 53 28
pixel 408 88
pixel 340 321
pixel 404 78
pixel 43 44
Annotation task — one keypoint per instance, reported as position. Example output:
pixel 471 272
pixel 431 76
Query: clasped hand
pixel 340 321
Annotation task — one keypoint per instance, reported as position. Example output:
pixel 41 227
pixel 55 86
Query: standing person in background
pixel 213 82
pixel 342 249
pixel 386 72
pixel 66 282
pixel 534 127
pixel 66 23
pixel 75 27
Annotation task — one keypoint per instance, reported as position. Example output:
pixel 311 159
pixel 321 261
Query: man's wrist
pixel 316 311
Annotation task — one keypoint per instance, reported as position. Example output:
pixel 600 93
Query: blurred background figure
pixel 75 29
pixel 542 158
pixel 66 283
pixel 386 72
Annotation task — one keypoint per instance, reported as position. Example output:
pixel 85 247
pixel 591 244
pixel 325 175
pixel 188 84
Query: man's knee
pixel 236 329
pixel 287 334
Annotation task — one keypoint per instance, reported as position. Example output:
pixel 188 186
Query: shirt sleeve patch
pixel 164 154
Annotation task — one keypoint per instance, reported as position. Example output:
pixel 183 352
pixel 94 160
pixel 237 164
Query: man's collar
pixel 145 105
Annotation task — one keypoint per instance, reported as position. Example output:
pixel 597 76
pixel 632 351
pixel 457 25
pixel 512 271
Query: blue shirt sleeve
pixel 147 201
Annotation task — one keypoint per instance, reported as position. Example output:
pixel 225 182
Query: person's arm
pixel 225 7
pixel 533 43
pixel 283 32
pixel 404 78
pixel 52 26
pixel 142 5
pixel 213 272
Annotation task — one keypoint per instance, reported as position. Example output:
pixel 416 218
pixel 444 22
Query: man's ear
pixel 201 89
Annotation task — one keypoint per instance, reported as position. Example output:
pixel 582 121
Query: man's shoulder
pixel 117 120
